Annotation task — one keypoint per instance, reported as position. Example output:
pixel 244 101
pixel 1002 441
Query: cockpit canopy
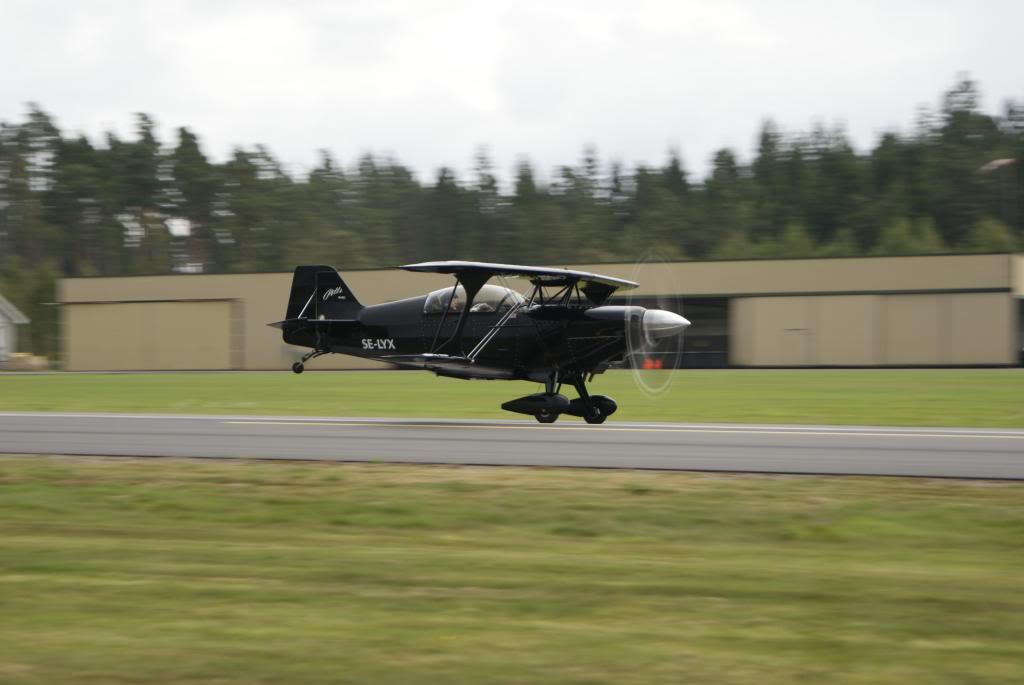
pixel 491 298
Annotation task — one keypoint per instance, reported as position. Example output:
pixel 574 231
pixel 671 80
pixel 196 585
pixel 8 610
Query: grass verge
pixel 936 397
pixel 177 571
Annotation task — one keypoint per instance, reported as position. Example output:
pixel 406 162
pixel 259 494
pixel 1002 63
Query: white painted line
pixel 406 422
pixel 647 429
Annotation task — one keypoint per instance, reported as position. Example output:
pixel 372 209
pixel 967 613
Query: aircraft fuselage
pixel 528 345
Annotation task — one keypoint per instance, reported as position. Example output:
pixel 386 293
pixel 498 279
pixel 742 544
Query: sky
pixel 430 82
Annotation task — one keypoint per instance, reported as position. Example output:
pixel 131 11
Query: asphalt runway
pixel 930 452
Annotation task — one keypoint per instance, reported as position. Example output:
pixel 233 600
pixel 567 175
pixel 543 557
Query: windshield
pixel 491 298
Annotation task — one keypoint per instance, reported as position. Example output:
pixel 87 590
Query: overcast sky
pixel 432 81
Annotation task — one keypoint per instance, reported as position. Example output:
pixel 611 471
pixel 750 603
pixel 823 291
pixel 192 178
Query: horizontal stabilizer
pixel 294 323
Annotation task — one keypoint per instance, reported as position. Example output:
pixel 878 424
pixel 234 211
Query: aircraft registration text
pixel 378 344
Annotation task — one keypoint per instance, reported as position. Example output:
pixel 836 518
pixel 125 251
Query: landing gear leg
pixel 300 366
pixel 551 388
pixel 592 411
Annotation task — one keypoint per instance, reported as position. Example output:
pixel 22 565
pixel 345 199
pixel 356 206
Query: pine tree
pixel 898 239
pixel 195 187
pixel 991 235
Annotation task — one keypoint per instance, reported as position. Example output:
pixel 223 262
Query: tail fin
pixel 319 293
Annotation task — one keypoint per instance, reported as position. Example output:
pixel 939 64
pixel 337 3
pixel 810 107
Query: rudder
pixel 318 292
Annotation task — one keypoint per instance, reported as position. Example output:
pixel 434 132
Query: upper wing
pixel 595 286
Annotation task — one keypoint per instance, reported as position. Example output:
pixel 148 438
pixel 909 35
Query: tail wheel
pixel 546 416
pixel 297 367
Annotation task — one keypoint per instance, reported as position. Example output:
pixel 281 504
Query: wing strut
pixel 475 352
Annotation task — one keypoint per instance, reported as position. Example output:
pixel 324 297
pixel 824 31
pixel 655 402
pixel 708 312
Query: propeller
pixel 654 326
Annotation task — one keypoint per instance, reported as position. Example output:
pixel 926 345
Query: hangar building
pixel 942 310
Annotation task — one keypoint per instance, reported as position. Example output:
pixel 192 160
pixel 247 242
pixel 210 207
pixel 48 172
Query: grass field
pixel 939 397
pixel 176 571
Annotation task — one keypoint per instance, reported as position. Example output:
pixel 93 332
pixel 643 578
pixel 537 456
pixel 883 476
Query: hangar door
pixel 133 336
pixel 921 329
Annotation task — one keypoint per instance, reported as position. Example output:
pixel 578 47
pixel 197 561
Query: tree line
pixel 72 207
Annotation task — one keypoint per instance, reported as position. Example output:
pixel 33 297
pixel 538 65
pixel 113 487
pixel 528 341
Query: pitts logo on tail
pixel 338 292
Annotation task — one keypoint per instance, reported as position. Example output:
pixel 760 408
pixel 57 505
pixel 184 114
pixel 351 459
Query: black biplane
pixel 561 331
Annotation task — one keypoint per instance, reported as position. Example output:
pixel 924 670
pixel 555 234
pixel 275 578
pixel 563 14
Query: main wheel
pixel 594 414
pixel 546 416
pixel 297 367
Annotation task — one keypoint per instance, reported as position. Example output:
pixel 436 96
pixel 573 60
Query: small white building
pixel 10 318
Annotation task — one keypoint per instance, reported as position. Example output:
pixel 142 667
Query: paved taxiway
pixel 936 452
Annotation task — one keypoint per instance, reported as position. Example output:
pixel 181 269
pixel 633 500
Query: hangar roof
pixel 858 275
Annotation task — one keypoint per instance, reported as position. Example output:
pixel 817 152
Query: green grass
pixel 939 397
pixel 176 571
